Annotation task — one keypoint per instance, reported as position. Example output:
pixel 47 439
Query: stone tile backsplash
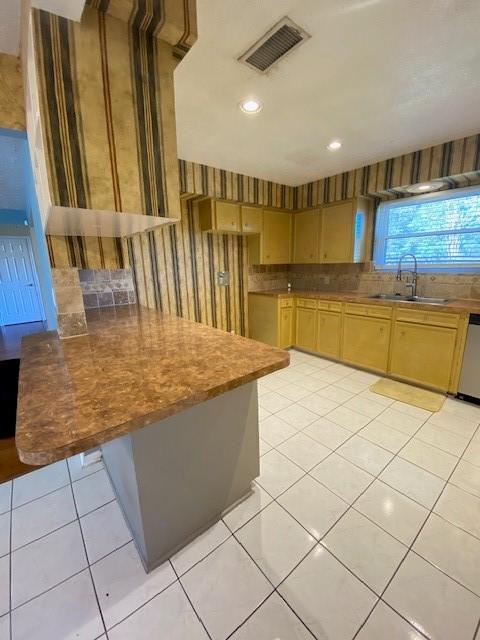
pixel 361 278
pixel 107 287
pixel 70 310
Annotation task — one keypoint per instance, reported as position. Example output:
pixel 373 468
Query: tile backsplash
pixel 361 278
pixel 107 287
pixel 68 295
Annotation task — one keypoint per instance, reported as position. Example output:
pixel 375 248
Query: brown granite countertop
pixel 454 306
pixel 136 366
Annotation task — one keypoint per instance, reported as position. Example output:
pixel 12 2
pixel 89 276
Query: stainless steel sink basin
pixel 420 299
pixel 427 300
pixel 389 296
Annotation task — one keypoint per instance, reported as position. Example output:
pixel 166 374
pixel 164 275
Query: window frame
pixel 380 237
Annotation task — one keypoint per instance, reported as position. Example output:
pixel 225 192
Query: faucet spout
pixel 414 271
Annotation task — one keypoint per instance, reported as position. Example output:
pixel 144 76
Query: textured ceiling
pixel 10 26
pixel 10 19
pixel 385 76
pixel 12 185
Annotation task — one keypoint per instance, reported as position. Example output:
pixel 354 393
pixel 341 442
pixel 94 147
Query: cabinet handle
pixel 324 255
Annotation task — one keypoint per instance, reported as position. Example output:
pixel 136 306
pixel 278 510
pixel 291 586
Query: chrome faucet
pixel 413 284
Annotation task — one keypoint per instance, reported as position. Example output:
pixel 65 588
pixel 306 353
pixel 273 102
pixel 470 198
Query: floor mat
pixel 409 394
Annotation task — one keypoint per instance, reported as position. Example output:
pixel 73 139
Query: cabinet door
pixel 306 235
pixel 251 218
pixel 227 216
pixel 423 353
pixel 305 329
pixel 285 333
pixel 276 237
pixel 337 233
pixel 329 333
pixel 365 341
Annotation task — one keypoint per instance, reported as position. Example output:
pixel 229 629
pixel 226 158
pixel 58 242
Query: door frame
pixel 35 278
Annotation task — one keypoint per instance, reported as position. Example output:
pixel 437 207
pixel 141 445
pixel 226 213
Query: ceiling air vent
pixel 280 40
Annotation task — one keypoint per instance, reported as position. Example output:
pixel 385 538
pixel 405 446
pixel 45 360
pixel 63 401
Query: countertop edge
pixel 40 458
pixel 458 305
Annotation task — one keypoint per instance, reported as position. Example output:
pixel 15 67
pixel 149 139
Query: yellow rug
pixel 422 398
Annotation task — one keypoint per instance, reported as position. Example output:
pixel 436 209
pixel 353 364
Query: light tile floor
pixel 364 523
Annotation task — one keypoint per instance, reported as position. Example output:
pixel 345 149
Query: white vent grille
pixel 279 41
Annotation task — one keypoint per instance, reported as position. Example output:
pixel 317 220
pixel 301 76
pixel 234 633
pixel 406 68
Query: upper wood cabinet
pixel 306 236
pixel 251 219
pixel 337 233
pixel 218 215
pixel 276 237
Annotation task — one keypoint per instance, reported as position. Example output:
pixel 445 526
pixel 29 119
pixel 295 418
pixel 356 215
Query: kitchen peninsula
pixel 172 403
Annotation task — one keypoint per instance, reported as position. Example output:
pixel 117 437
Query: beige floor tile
pixel 342 477
pixel 391 510
pixel 327 597
pixel 452 550
pixel 433 602
pixel 304 451
pixel 314 506
pixel 275 541
pixel 372 554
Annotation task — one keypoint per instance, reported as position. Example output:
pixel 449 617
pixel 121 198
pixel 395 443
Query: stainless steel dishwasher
pixel 469 387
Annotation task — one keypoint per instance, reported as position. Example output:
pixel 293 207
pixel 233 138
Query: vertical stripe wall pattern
pixel 457 162
pixel 175 270
pixel 107 106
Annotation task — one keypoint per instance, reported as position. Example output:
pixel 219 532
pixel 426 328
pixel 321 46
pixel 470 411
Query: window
pixel 441 230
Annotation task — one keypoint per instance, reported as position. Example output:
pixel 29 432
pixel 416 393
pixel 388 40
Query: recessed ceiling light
pixel 334 145
pixel 251 105
pixel 425 187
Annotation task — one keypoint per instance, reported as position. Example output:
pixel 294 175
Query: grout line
pixel 10 565
pixel 188 597
pixel 410 549
pixel 86 554
pixel 65 524
pixel 274 499
pixel 48 493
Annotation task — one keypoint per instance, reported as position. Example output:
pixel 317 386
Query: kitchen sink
pixel 390 296
pixel 420 299
pixel 427 300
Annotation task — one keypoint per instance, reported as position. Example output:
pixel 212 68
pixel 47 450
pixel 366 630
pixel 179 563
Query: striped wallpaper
pixel 175 267
pixel 457 160
pixel 107 101
pixel 174 21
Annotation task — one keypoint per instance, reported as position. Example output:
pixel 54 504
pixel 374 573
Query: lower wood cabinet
pixel 419 346
pixel 423 353
pixel 305 329
pixel 329 333
pixel 271 320
pixel 365 341
pixel 285 332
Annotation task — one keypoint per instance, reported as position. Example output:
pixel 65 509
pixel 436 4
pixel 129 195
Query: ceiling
pixel 10 19
pixel 384 76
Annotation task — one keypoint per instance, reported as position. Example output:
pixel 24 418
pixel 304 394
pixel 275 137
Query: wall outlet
pixel 223 278
pixel 90 457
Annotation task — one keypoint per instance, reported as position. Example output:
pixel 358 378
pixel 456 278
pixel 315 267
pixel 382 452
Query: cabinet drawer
pixel 437 318
pixel 329 305
pixel 375 311
pixel 307 303
pixel 286 302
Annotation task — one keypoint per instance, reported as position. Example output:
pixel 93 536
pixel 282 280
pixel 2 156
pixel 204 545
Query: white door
pixel 19 299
